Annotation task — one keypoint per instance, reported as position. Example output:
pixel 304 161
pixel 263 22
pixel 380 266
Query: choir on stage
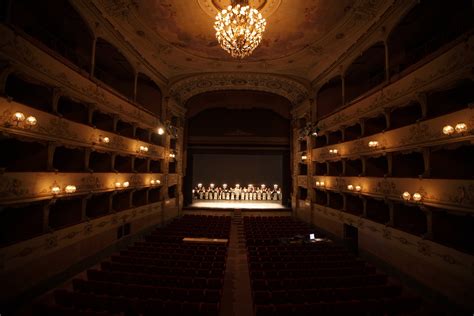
pixel 249 193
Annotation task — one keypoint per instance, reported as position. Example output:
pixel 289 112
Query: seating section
pixel 318 278
pixel 159 276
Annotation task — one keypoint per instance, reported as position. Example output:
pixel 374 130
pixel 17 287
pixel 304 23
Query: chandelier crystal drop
pixel 239 29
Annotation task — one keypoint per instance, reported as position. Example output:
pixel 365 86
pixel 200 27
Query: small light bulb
pixel 31 121
pixel 350 187
pixel 152 181
pixel 461 128
pixel 304 157
pixel 126 184
pixel 358 188
pixel 448 130
pixel 18 117
pixel 322 183
pixel 417 197
pixel 373 144
pixel 161 131
pixel 55 189
pixel 333 151
pixel 317 183
pixel 104 139
pixel 158 181
pixel 118 184
pixel 406 196
pixel 70 188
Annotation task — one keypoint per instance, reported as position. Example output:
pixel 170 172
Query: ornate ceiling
pixel 302 39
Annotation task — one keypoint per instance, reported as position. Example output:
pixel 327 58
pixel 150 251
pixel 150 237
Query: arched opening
pixel 149 94
pixel 329 97
pixel 113 69
pixel 366 72
pixel 426 28
pixel 57 25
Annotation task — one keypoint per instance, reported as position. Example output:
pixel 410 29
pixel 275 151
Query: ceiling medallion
pixel 239 28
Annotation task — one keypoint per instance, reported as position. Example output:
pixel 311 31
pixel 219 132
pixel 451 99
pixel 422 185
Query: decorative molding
pixel 292 90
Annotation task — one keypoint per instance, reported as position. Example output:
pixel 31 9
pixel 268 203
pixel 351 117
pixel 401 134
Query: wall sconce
pixel 70 188
pixel 350 187
pixel 172 155
pixel 18 117
pixel 406 196
pixel 333 151
pixel 143 149
pixel 126 184
pixel 358 188
pixel 373 144
pixel 153 182
pixel 417 197
pixel 461 128
pixel 317 183
pixel 118 185
pixel 31 121
pixel 55 189
pixel 104 139
pixel 161 130
pixel 320 183
pixel 448 130
pixel 304 157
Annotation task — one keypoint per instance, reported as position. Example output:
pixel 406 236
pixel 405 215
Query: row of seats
pixel 295 276
pixel 161 275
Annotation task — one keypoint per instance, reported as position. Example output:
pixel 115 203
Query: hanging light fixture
pixel 239 28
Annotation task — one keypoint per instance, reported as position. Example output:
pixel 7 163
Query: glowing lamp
pixel 321 183
pixel 152 181
pixel 31 121
pixel 406 196
pixel 317 183
pixel 448 130
pixel 333 151
pixel 70 188
pixel 143 149
pixel 373 144
pixel 118 184
pixel 358 188
pixel 55 189
pixel 126 184
pixel 104 139
pixel 461 128
pixel 161 131
pixel 158 181
pixel 314 133
pixel 350 187
pixel 172 155
pixel 417 197
pixel 18 117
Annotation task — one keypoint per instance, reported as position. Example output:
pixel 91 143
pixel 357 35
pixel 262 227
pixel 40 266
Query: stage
pixel 229 204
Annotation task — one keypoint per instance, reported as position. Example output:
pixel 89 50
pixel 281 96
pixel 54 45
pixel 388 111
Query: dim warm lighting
pixel 172 155
pixel 161 131
pixel 333 151
pixel 314 133
pixel 143 149
pixel 31 121
pixel 304 157
pixel 104 139
pixel 118 184
pixel 239 29
pixel 448 130
pixel 55 189
pixel 317 183
pixel 70 188
pixel 373 144
pixel 358 188
pixel 152 181
pixel 406 196
pixel 126 184
pixel 321 183
pixel 18 117
pixel 350 187
pixel 158 181
pixel 461 128
pixel 417 197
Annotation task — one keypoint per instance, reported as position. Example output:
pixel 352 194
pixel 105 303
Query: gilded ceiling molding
pixel 186 88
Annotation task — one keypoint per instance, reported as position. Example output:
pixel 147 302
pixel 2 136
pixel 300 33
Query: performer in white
pixel 200 191
pixel 225 192
pixel 264 192
pixel 259 194
pixel 237 192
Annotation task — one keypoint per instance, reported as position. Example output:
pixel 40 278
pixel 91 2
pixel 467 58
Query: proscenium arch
pixel 291 89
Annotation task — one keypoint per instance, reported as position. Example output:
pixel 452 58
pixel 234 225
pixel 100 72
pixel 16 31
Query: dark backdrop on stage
pixel 242 169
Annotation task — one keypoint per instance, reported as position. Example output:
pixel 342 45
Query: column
pixel 94 44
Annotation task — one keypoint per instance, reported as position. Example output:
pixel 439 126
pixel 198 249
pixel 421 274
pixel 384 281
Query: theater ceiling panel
pixel 303 37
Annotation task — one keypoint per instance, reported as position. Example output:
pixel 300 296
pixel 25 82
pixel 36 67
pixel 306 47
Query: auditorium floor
pixel 236 299
pixel 236 204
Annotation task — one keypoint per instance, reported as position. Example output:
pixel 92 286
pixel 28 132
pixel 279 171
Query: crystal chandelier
pixel 239 28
